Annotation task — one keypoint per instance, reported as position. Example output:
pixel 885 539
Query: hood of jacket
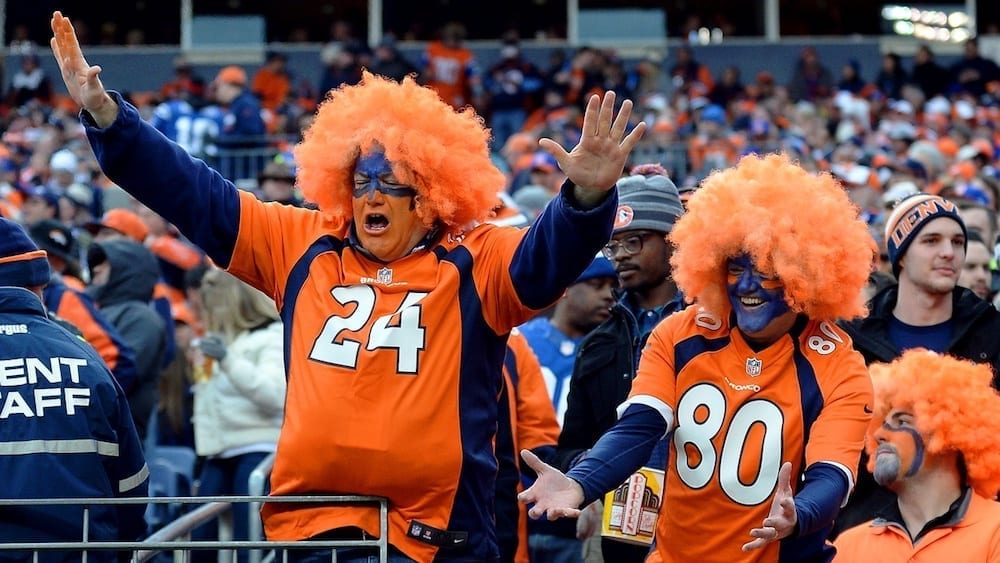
pixel 134 272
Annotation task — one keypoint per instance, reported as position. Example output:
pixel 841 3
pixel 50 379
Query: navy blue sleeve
pixel 159 173
pixel 819 499
pixel 619 452
pixel 560 245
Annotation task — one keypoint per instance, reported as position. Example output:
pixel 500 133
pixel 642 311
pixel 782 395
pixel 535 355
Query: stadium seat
pixel 171 474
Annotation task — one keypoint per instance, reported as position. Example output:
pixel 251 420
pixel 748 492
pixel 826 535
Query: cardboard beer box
pixel 630 511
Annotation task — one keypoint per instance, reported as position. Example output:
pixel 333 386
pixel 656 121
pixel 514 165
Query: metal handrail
pixel 255 486
pixel 212 507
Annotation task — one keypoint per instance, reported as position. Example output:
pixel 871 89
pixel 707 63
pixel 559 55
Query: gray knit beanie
pixel 647 202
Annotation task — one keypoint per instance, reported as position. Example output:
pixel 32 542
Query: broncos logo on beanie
pixel 910 215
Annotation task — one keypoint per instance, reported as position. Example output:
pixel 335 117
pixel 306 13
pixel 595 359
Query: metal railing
pixel 175 536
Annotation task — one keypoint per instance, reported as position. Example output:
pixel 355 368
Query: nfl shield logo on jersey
pixel 384 276
pixel 753 367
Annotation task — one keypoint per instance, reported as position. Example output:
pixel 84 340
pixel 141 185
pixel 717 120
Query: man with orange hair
pixel 397 299
pixel 763 397
pixel 934 440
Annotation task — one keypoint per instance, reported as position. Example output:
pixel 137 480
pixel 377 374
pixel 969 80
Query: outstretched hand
pixel 553 494
pixel 597 161
pixel 81 79
pixel 780 523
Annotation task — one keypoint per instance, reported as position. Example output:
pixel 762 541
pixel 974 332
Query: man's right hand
pixel 81 79
pixel 554 495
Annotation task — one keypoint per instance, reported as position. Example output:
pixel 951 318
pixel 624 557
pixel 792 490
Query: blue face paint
pixel 918 447
pixel 374 173
pixel 766 295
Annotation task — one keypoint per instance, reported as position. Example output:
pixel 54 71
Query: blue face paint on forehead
pixel 756 299
pixel 373 172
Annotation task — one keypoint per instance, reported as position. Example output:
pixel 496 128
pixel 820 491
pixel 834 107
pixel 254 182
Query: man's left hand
pixel 780 523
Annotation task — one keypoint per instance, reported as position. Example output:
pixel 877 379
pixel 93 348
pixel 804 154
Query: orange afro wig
pixel 954 405
pixel 795 225
pixel 444 155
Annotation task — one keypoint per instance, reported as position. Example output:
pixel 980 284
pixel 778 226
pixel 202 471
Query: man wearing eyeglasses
pixel 607 358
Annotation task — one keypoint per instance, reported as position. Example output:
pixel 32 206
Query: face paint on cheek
pixel 909 445
pixel 756 299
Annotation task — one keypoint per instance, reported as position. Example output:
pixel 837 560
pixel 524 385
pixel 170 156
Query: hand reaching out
pixel 554 494
pixel 81 79
pixel 597 161
pixel 780 523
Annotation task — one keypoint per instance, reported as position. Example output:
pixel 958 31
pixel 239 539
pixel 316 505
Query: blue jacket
pixel 65 432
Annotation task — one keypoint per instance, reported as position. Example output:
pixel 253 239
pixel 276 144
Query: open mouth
pixel 376 222
pixel 750 302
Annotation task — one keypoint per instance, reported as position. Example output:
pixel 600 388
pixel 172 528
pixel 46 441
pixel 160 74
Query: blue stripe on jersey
pixel 809 393
pixel 480 381
pixel 690 348
pixel 508 475
pixel 296 279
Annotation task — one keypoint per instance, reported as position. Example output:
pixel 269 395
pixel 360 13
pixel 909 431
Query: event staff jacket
pixel 65 432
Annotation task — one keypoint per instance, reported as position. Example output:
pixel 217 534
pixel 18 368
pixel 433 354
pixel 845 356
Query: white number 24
pixel 407 337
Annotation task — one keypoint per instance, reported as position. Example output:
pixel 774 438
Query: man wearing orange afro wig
pixel 934 440
pixel 397 301
pixel 766 400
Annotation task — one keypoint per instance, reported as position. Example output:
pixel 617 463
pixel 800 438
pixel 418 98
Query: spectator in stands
pixel 122 276
pixel 340 67
pixel 391 238
pixel 67 432
pixel 29 83
pixel 927 243
pixel 66 297
pixel 688 76
pixel 811 80
pixel 277 183
pixel 706 372
pixel 272 83
pixel 40 204
pixel 186 85
pixel 979 219
pixel 892 77
pixel 389 62
pixel 75 204
pixel 511 83
pixel 728 88
pixel 175 401
pixel 934 440
pixel 976 274
pixel 973 71
pixel 932 78
pixel 451 70
pixel 239 392
pixel 242 125
pixel 850 77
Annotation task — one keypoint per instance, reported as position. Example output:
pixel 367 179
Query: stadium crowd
pixel 201 356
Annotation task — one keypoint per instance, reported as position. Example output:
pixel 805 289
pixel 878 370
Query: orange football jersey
pixel 362 333
pixel 736 416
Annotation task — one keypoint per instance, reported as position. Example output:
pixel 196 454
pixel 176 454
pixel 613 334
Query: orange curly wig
pixel 795 225
pixel 444 155
pixel 954 405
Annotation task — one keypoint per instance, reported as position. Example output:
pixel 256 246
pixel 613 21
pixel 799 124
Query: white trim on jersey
pixel 652 402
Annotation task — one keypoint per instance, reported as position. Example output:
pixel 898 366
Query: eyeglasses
pixel 630 244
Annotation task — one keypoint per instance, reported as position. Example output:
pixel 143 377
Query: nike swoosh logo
pixel 868 410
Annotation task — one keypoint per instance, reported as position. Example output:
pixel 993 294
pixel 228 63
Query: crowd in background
pixel 164 319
